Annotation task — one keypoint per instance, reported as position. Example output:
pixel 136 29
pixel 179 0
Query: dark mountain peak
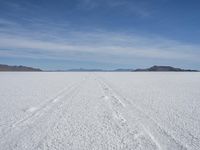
pixel 165 68
pixel 17 68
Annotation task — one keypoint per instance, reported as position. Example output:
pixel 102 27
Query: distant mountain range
pixel 165 68
pixel 17 68
pixel 151 69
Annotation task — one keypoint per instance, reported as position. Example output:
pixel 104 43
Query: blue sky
pixel 107 34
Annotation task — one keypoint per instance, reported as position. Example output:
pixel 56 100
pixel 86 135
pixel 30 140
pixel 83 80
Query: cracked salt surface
pixel 99 111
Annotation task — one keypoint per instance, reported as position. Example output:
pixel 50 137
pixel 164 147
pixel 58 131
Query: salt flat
pixel 99 111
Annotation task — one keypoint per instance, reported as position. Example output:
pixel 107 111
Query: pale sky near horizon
pixel 102 34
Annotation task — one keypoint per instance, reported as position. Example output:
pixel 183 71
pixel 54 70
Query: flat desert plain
pixel 99 111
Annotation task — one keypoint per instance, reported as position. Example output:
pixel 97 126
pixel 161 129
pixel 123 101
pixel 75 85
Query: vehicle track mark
pixel 139 135
pixel 149 125
pixel 53 102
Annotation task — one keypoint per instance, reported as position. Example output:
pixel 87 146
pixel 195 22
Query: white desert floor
pixel 104 111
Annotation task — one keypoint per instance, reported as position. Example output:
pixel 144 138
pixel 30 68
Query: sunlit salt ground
pixel 105 111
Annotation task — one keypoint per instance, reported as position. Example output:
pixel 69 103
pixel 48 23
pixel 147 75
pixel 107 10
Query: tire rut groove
pixel 153 125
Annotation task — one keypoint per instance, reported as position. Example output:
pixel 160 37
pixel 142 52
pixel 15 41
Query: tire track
pixel 35 111
pixel 89 123
pixel 33 129
pixel 38 112
pixel 160 136
pixel 136 134
pixel 60 117
pixel 77 122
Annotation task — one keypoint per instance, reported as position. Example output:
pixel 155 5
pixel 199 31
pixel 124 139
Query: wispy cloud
pixel 59 42
pixel 112 31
